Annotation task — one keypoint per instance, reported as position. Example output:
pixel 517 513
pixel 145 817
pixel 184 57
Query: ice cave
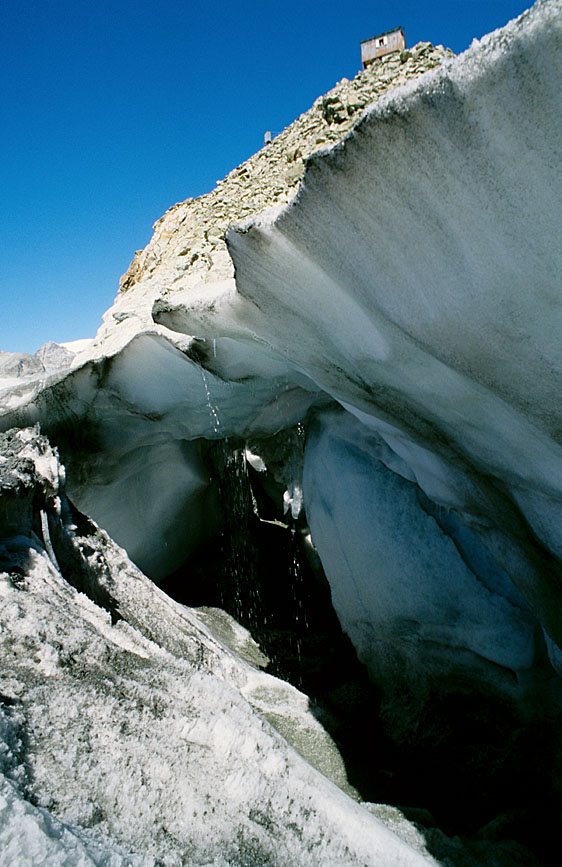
pixel 280 548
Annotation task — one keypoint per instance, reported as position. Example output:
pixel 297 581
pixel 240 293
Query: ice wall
pixel 415 280
pixel 416 590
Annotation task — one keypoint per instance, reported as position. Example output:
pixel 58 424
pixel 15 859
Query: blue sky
pixel 113 111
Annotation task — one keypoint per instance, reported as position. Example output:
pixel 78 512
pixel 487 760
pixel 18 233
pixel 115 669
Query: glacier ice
pixel 414 588
pixel 385 350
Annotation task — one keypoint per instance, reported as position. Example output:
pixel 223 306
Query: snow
pixel 79 345
pixel 31 835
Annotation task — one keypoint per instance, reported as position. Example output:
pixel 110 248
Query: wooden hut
pixel 383 43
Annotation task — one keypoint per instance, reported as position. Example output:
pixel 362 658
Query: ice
pixel 413 588
pixel 293 500
pixel 129 427
pixel 255 461
pixel 413 280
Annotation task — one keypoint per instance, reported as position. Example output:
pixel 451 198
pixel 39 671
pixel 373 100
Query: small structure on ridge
pixel 383 43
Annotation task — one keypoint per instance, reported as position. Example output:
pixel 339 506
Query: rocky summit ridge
pixel 189 237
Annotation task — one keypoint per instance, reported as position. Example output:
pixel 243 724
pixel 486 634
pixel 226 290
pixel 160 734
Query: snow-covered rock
pixel 54 355
pixel 14 365
pixel 23 375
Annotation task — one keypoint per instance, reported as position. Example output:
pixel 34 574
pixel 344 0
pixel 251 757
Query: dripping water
pixel 239 588
pixel 211 406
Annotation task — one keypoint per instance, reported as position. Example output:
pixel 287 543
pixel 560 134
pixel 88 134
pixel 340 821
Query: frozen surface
pixel 31 835
pixel 130 427
pixel 413 279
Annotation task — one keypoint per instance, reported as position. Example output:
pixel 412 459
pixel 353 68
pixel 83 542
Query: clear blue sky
pixel 114 110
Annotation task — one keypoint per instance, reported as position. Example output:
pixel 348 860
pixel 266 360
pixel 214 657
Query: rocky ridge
pixel 189 237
